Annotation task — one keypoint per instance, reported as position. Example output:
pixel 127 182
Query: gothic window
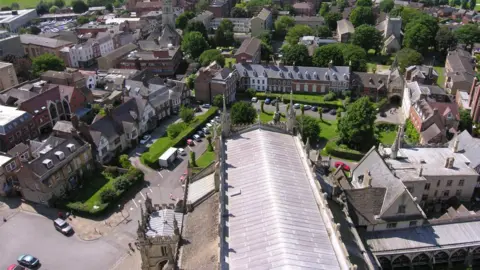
pixel 441 257
pixel 459 256
pixel 53 111
pixel 384 262
pixel 66 107
pixel 421 259
pixel 401 261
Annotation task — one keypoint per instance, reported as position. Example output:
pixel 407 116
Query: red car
pixel 345 166
pixel 15 267
pixel 190 142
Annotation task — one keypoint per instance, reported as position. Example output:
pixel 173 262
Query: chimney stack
pixel 447 162
pixel 450 164
pixel 421 171
pixel 455 145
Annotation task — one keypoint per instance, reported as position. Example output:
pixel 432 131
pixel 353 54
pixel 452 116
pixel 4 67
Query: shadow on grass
pixel 325 122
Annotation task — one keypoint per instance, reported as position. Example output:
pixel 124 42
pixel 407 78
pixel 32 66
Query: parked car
pixel 307 107
pixel 217 118
pixel 273 102
pixel 181 151
pixel 314 108
pixel 62 226
pixel 206 106
pixel 15 267
pixel 296 106
pixel 197 138
pixel 200 133
pixel 254 99
pixel 267 101
pixel 333 112
pixel 209 125
pixel 205 130
pixel 145 139
pixel 213 121
pixel 190 142
pixel 343 165
pixel 28 261
pixel 325 110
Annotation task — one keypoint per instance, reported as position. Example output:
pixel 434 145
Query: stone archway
pixel 421 259
pixel 385 263
pixel 401 262
pixel 161 264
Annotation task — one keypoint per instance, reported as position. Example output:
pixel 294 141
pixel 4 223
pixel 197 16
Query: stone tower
pixel 225 120
pixel 168 17
pixel 291 115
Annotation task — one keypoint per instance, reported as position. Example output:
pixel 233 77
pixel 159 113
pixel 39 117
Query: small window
pixel 424 197
pixel 461 182
pixel 449 183
pixel 446 193
pixel 458 192
pixel 427 186
pixel 391 225
pixel 401 209
pixel 412 223
pixel 438 183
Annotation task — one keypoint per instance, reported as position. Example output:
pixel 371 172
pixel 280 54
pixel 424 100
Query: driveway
pixel 34 234
pixel 283 109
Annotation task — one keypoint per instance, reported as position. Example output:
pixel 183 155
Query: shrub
pixel 108 195
pixel 339 112
pixel 262 103
pixel 342 151
pixel 330 96
pixel 124 161
pixel 121 183
pixel 250 92
pixel 174 129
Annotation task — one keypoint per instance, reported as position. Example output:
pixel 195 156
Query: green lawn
pixel 268 116
pixel 89 194
pixel 25 3
pixel 233 61
pixel 205 159
pixel 387 137
pixel 328 129
pixel 441 75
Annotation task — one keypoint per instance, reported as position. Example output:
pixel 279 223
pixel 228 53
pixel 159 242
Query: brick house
pixel 249 51
pixel 16 126
pixel 215 80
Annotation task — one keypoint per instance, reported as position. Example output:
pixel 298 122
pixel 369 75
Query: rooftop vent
pixel 60 155
pixel 48 163
pixel 71 147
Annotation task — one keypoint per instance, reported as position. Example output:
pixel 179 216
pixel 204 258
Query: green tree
pixel 464 4
pixel 187 114
pixel 308 127
pixel 364 3
pixel 251 92
pixel 78 6
pixel 34 30
pixel 196 26
pixel 362 15
pixel 124 161
pixel 82 20
pixel 302 109
pixel 296 32
pixel 211 55
pixel 190 81
pixel 445 39
pixel 107 195
pixel 354 56
pixel 266 51
pixel 368 37
pixel 201 6
pixel 209 146
pixel 282 24
pixel 46 62
pixel 224 34
pixel 323 32
pixel 194 44
pixel 468 34
pixel 408 57
pixel 243 113
pixel 341 4
pixel 412 134
pixel 173 130
pixel 407 14
pixel 466 121
pixel 238 13
pixel 182 21
pixel 324 54
pixel 109 7
pixel 117 4
pixel 15 6
pixel 472 4
pixel 42 8
pixel 320 113
pixel 59 3
pixel 357 128
pixel 218 101
pixel 193 159
pixel 296 55
pixel 420 35
pixel 331 20
pixel 324 9
pixel 387 5
pixel 53 10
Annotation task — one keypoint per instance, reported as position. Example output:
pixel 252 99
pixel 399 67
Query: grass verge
pixel 205 159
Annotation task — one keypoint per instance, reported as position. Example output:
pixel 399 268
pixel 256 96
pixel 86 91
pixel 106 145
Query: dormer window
pixel 48 163
pixel 299 75
pixel 360 179
pixel 401 209
pixel 264 73
pixel 327 77
pixel 315 75
pixel 71 147
pixel 60 155
pixel 255 73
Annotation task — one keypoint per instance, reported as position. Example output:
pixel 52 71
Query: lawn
pixel 328 129
pixel 205 159
pixel 233 61
pixel 268 116
pixel 387 137
pixel 89 193
pixel 25 3
pixel 441 75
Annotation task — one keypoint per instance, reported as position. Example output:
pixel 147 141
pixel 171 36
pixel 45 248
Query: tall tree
pixel 331 20
pixel 53 10
pixel 355 57
pixel 308 127
pixel 201 6
pixel 468 34
pixel 341 4
pixel 243 113
pixel 211 55
pixel 196 26
pixel 46 62
pixel 324 9
pixel 282 24
pixel 266 51
pixel 194 44
pixel 362 15
pixel 296 55
pixel 296 32
pixel 408 57
pixel 368 37
pixel 387 5
pixel 42 8
pixel 418 37
pixel 324 54
pixel 15 6
pixel 238 13
pixel 323 31
pixel 472 4
pixel 466 121
pixel 445 39
pixel 357 128
pixel 364 3
pixel 78 6
pixel 109 7
pixel 182 20
pixel 224 34
pixel 59 3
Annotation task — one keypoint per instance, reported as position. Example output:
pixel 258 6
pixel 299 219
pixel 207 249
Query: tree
pixel 211 55
pixel 107 195
pixel 201 6
pixel 471 5
pixel 323 31
pixel 173 130
pixel 407 57
pixel 420 33
pixel 331 20
pixel 196 26
pixel 354 56
pixel 53 10
pixel 78 6
pixel 117 4
pixel 194 44
pixel 209 146
pixel 218 101
pixel 266 51
pixel 238 13
pixel 15 6
pixel 324 9
pixel 190 81
pixel 342 4
pixel 59 3
pixel 187 114
pixel 42 8
pixel 406 13
pixel 296 55
pixel 368 37
pixel 357 128
pixel 109 7
pixel 251 92
pixel 364 3
pixel 193 159
pixel 362 15
pixel 296 32
pixel 82 20
pixel 466 121
pixel 387 5
pixel 445 39
pixel 468 34
pixel 324 54
pixel 224 34
pixel 46 62
pixel 282 24
pixel 182 21
pixel 308 127
pixel 243 113
pixel 464 4
pixel 302 109
pixel 320 113
pixel 34 30
pixel 124 162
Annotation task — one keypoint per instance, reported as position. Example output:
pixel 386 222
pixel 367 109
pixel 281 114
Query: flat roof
pixel 7 117
pixel 7 16
pixel 4 159
pixel 168 153
pixel 273 217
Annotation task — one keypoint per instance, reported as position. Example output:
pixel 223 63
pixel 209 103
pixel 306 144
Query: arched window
pixel 53 111
pixel 66 107
pixel 421 259
pixel 401 261
pixel 459 255
pixel 441 257
pixel 385 262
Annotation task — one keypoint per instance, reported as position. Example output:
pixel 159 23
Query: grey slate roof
pixel 264 13
pixel 43 41
pixel 365 79
pixel 336 73
pixel 274 220
pixel 470 147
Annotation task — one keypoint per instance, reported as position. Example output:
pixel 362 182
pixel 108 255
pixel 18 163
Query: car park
pixel 16 267
pixel 62 226
pixel 190 142
pixel 206 106
pixel 307 107
pixel 181 151
pixel 28 261
pixel 145 139
pixel 267 101
pixel 296 106
pixel 200 133
pixel 333 112
pixel 314 108
pixel 254 99
pixel 197 138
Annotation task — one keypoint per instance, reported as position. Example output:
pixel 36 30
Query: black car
pixel 273 102
pixel 314 108
pixel 333 112
pixel 325 110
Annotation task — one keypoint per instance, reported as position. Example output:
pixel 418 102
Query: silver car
pixel 62 226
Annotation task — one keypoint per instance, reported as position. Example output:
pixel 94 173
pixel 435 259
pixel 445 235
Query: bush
pixel 108 195
pixel 250 92
pixel 121 183
pixel 174 129
pixel 339 112
pixel 342 151
pixel 330 96
pixel 187 114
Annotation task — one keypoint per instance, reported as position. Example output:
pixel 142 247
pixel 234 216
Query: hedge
pixel 159 147
pixel 335 150
pixel 286 98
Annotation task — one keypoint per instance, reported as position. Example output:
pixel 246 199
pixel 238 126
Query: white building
pixel 79 55
pixel 240 25
pixel 13 20
pixel 105 43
